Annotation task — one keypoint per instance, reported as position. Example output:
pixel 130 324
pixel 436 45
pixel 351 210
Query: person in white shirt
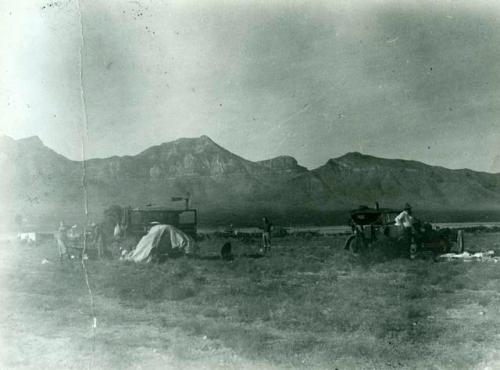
pixel 405 220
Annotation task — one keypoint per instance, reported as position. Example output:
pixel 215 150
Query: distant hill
pixel 363 179
pixel 38 181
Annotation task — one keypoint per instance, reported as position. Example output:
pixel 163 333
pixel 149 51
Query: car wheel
pixel 356 245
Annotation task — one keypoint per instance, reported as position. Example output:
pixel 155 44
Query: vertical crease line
pixel 84 187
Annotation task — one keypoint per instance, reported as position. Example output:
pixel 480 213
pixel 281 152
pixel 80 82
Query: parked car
pixel 372 224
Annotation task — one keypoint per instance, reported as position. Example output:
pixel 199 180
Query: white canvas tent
pixel 161 239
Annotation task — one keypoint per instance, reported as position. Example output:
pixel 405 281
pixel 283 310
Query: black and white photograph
pixel 250 184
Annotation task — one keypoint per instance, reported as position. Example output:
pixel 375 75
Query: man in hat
pixel 405 220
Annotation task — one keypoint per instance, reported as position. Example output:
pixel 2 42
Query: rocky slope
pixel 38 180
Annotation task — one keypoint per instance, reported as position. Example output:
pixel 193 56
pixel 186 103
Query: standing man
pixel 266 235
pixel 97 239
pixel 405 220
pixel 62 241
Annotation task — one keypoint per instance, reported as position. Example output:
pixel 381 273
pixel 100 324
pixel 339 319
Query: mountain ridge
pixel 36 139
pixel 217 179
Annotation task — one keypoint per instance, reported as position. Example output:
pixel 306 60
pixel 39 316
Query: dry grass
pixel 308 305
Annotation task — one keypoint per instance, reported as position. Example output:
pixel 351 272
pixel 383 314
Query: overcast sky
pixel 309 79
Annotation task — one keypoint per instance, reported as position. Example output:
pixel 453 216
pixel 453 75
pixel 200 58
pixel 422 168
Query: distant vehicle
pixel 138 221
pixel 371 224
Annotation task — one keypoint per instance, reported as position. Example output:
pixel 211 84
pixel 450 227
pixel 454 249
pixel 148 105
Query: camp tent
pixel 161 241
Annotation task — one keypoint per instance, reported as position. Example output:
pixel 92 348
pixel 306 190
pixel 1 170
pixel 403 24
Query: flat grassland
pixel 307 305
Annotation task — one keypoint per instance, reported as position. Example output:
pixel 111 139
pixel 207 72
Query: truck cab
pixel 138 221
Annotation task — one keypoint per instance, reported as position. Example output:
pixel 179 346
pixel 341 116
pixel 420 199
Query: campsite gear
pixel 413 250
pixel 138 221
pixel 34 238
pixel 229 231
pixel 160 242
pixel 92 239
pixel 226 252
pixel 372 224
pixel 28 238
pixel 488 256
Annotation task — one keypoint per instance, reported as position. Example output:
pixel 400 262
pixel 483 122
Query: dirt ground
pixel 307 305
